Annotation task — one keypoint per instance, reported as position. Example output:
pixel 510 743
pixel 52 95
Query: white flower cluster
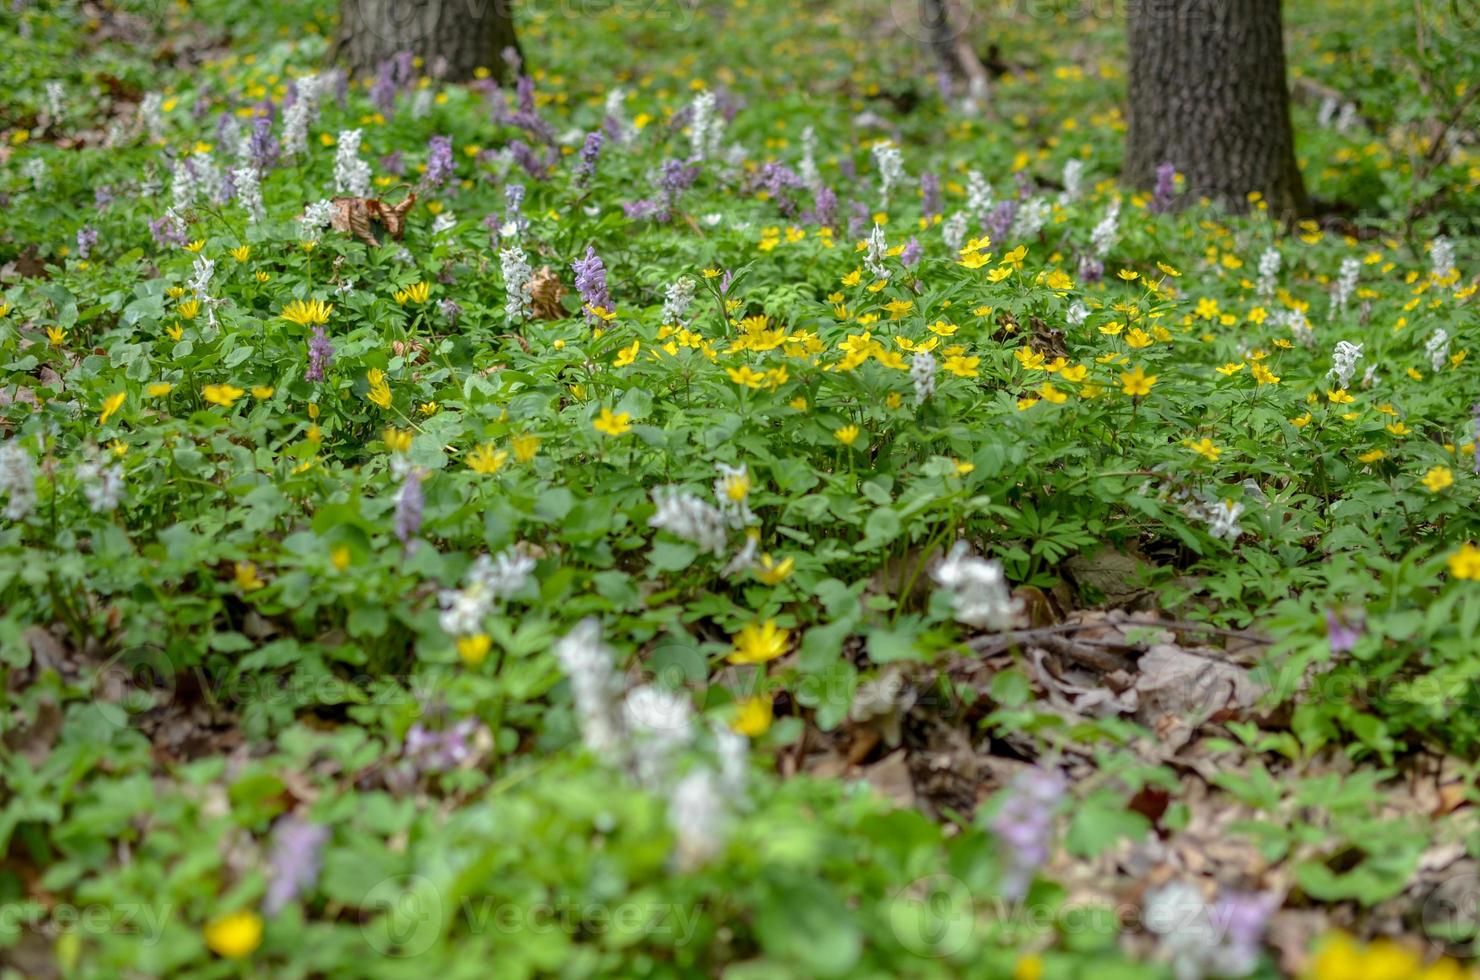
pixel 1299 326
pixel 151 113
pixel 616 113
pixel 488 581
pixel 55 99
pixel 35 171
pixel 1077 314
pixel 646 733
pixel 301 114
pixel 249 192
pixel 978 589
pixel 102 485
pixel 444 222
pixel 1105 234
pixel 1269 271
pixel 1346 284
pixel 1441 259
pixel 1031 218
pixel 677 299
pixel 705 128
pixel 807 168
pixel 922 375
pixel 316 218
pixel 732 490
pixel 687 516
pixel 351 174
pixel 518 282
pixel 891 169
pixel 1438 349
pixel 953 231
pixel 1073 181
pixel 17 481
pixel 1344 363
pixel 873 259
pixel 978 196
pixel 1221 516
pixel 1202 940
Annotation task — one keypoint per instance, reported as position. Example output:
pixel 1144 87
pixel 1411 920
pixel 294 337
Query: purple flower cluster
pixel 929 195
pixel 167 230
pixel 394 75
pixel 999 222
pixel 859 219
pixel 393 163
pixel 1165 189
pixel 532 163
pixel 591 282
pixel 824 213
pixel 262 148
pixel 439 751
pixel 672 179
pixel 590 153
pixel 320 354
pixel 912 253
pixel 1342 634
pixel 1025 824
pixel 87 240
pixel 780 182
pixel 297 852
pixel 439 161
pixel 1091 269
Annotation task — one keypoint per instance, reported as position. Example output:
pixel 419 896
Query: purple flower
pixel 859 219
pixel 410 499
pixel 591 282
pixel 450 310
pixel 439 751
pixel 643 209
pixel 1341 634
pixel 824 211
pixel 1476 412
pixel 297 850
pixel 999 222
pixel 524 92
pixel 262 149
pixel 102 196
pixel 513 205
pixel 87 239
pixel 525 156
pixel 779 181
pixel 590 152
pixel 320 354
pixel 392 163
pixel 167 230
pixel 912 253
pixel 848 168
pixel 929 195
pixel 1091 269
pixel 439 161
pixel 1025 824
pixel 1166 187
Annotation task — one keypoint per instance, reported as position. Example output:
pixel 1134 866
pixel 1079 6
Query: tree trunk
pixel 945 30
pixel 1208 95
pixel 453 38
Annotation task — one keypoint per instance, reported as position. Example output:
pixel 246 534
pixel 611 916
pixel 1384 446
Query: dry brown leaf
pixel 545 290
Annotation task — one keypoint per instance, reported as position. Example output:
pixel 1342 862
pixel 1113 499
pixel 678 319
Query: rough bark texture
pixel 453 37
pixel 945 28
pixel 1208 94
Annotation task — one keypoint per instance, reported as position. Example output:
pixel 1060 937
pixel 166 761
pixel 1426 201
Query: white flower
pixel 1441 259
pixel 1107 232
pixel 588 666
pixel 807 168
pixel 616 115
pixel 704 128
pixel 444 222
pixel 676 301
pixel 1346 283
pixel 102 485
pixel 1269 270
pixel 891 169
pixel 697 813
pixel 1344 363
pixel 316 217
pixel 1077 314
pixel 732 490
pixel 1031 218
pixel 1438 349
pixel 1073 180
pixel 685 516
pixel 151 112
pixel 351 174
pixel 978 588
pixel 873 259
pixel 953 231
pixel 249 192
pixel 489 579
pixel 978 195
pixel 298 116
pixel 922 374
pixel 17 481
pixel 660 724
pixel 518 280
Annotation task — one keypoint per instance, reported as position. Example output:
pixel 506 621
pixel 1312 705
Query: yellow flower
pixel 189 309
pixel 396 440
pixel 1465 563
pixel 1051 394
pixel 747 376
pixel 56 336
pixel 758 643
pixel 1339 396
pixel 261 392
pixel 1263 375
pixel 752 716
pixel 175 331
pixel 340 557
pixel 307 312
pixel 1129 275
pixel 1302 421
pixel 1029 967
pixel 525 447
pixel 773 572
pixel 627 355
pixel 242 254
pixel 1138 338
pixel 486 460
pixel 1206 449
pixel 111 404
pixel 235 936
pixel 612 424
pixel 196 245
pixel 1439 478
pixel 380 389
pixel 1371 457
pixel 1229 369
pixel 474 649
pixel 415 293
pixel 222 394
pixel 246 577
pixel 961 366
pixel 159 388
pixel 847 435
pixel 1136 382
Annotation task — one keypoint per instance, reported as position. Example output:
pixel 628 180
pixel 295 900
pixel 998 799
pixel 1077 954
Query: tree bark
pixel 454 38
pixel 1208 95
pixel 945 30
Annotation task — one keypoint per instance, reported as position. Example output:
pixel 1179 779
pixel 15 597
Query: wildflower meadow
pixel 740 489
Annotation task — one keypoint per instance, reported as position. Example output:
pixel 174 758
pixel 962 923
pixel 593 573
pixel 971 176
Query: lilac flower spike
pixel 591 282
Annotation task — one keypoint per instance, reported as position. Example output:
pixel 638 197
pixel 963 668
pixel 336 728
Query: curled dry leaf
pixel 355 216
pixel 545 289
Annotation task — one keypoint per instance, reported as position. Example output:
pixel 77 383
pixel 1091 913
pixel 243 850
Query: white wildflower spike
pixel 1346 284
pixel 351 174
pixel 1344 363
pixel 922 374
pixel 301 114
pixel 249 192
pixel 518 280
pixel 489 580
pixel 676 301
pixel 1107 232
pixel 685 516
pixel 1438 349
pixel 17 482
pixel 1031 218
pixel 101 483
pixel 697 813
pixel 659 724
pixel 873 259
pixel 978 196
pixel 807 168
pixel 891 169
pixel 1269 271
pixel 1073 181
pixel 978 588
pixel 587 664
pixel 953 231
